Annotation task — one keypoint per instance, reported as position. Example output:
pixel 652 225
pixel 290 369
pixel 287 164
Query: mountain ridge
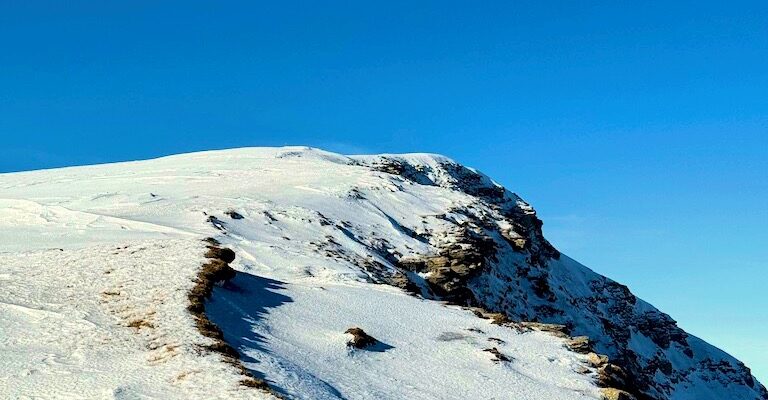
pixel 420 222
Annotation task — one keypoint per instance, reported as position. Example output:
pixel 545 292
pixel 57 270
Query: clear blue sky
pixel 639 131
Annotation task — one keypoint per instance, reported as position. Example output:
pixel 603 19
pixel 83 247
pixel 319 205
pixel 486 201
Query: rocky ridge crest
pixel 495 258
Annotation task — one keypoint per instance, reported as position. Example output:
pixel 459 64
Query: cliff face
pixel 497 258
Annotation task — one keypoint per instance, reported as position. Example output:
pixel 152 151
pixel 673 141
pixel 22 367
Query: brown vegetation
pixel 140 323
pixel 224 254
pixel 360 339
pixel 217 270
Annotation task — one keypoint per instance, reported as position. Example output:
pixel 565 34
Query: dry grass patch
pixel 217 270
pixel 219 253
pixel 140 323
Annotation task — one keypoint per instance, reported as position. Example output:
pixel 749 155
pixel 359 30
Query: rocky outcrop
pixel 495 257
pixel 449 271
pixel 610 377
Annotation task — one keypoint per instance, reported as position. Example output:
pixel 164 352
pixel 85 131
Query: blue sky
pixel 639 131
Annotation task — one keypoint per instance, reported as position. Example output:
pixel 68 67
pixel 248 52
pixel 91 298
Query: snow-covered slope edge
pixel 518 273
pixel 106 321
pixel 316 234
pixel 99 265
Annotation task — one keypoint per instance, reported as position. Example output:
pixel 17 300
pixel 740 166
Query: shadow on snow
pixel 238 309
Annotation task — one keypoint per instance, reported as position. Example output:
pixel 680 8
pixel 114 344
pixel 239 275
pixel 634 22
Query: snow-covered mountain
pixel 244 273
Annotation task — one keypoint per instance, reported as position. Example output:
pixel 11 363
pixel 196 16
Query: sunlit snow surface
pixel 88 252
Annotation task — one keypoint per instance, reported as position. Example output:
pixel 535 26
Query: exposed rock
pixel 360 339
pixel 661 328
pixel 540 286
pixel 583 370
pixel 497 355
pixel 233 214
pixel 495 257
pixel 462 258
pixel 611 375
pixel 616 394
pixel 402 281
pixel 579 344
pixel 725 372
pixel 554 329
pixel 496 318
pixel 515 240
pixel 416 174
pixel 596 360
pixel 499 318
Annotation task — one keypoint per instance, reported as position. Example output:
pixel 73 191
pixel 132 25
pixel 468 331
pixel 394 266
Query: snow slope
pixel 89 252
pixel 65 316
pixel 96 263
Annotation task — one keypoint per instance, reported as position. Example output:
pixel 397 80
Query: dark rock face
pixel 613 376
pixel 394 166
pixel 661 329
pixel 497 258
pixel 233 214
pixel 497 355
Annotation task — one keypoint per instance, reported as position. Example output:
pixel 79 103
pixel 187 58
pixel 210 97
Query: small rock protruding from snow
pixel 497 355
pixel 360 339
pixel 233 214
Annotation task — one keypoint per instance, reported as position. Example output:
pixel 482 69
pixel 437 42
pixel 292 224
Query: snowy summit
pixel 297 273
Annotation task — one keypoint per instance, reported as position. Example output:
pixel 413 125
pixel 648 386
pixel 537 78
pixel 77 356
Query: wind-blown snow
pixel 64 317
pixel 95 264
